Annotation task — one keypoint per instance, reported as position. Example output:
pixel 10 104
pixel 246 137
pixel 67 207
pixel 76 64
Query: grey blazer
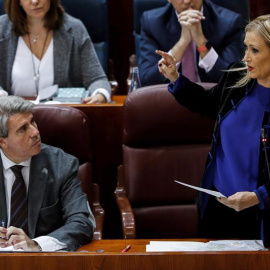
pixel 75 60
pixel 57 206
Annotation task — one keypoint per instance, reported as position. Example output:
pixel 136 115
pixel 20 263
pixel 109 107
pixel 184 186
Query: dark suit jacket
pixel 161 30
pixel 57 206
pixel 216 103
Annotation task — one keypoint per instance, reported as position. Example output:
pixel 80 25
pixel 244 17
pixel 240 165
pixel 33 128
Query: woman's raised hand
pixel 167 66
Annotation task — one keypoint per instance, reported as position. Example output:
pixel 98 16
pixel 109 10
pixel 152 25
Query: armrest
pixel 92 191
pixel 98 212
pixel 127 215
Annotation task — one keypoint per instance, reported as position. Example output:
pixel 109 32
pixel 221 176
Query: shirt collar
pixel 7 163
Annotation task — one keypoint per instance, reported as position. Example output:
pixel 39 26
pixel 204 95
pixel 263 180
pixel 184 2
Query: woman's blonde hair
pixel 260 25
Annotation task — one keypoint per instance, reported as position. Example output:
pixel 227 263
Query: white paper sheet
pixel 220 245
pixel 172 246
pixel 9 249
pixel 208 191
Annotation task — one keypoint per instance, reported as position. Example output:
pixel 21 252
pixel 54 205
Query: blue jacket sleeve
pixel 263 197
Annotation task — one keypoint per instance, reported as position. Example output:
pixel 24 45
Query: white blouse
pixel 23 73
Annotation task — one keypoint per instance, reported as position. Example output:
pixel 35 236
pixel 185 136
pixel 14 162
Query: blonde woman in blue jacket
pixel 237 162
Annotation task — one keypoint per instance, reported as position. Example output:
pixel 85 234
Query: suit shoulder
pixel 158 14
pixel 3 18
pixel 56 154
pixel 73 23
pixel 75 28
pixel 221 14
pixel 5 24
pixel 72 20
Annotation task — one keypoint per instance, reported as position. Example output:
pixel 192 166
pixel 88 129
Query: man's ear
pixel 3 143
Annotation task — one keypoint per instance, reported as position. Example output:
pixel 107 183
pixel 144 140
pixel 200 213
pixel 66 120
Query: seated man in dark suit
pixel 213 32
pixel 42 205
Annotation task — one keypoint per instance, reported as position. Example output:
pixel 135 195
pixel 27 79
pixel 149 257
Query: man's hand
pixel 3 232
pixel 240 200
pixel 167 66
pixel 96 99
pixel 191 19
pixel 18 239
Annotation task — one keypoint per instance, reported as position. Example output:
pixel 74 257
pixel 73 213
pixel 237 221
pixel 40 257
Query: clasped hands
pixel 240 200
pixel 17 238
pixel 190 21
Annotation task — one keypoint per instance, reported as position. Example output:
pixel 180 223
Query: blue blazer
pixel 216 103
pixel 161 30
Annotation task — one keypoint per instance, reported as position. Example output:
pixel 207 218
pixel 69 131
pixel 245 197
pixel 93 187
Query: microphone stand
pixel 264 140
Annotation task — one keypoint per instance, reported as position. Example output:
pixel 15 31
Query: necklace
pixel 34 39
pixel 36 71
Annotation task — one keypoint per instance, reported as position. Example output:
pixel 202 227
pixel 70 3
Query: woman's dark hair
pixel 53 19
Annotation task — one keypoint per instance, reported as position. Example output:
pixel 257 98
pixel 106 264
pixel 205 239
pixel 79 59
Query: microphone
pixel 264 140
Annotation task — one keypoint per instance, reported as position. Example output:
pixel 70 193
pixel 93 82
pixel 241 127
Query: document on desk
pixel 208 191
pixel 220 245
pixel 10 249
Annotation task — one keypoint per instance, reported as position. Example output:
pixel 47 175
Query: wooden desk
pixel 106 132
pixel 136 258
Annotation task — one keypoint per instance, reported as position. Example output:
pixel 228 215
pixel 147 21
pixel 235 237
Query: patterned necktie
pixel 188 62
pixel 19 207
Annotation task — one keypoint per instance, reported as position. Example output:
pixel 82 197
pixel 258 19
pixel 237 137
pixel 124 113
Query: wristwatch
pixel 204 48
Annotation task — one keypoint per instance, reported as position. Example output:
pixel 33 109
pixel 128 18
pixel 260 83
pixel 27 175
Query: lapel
pixel 234 97
pixel 3 206
pixel 63 40
pixel 13 43
pixel 206 24
pixel 9 42
pixel 172 27
pixel 208 33
pixel 37 185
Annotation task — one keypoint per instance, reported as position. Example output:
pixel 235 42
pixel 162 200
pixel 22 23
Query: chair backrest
pixel 94 15
pixel 68 128
pixel 163 142
pixel 139 6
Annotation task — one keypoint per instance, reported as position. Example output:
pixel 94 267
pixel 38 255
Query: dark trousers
pixel 220 221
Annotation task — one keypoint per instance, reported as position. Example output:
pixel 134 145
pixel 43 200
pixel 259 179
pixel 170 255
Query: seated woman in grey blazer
pixel 41 46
